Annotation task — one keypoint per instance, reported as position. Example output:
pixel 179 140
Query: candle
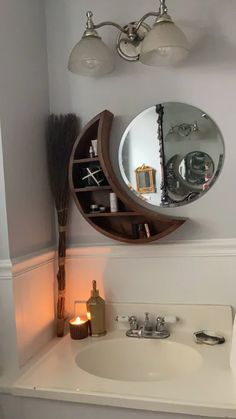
pixel 78 328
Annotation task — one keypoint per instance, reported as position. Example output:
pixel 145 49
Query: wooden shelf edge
pixel 93 188
pixel 86 160
pixel 112 214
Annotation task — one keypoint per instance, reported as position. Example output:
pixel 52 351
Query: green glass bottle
pixel 96 308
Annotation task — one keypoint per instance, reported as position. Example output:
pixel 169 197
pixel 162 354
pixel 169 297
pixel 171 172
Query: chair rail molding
pixel 190 248
pixel 5 269
pixel 13 268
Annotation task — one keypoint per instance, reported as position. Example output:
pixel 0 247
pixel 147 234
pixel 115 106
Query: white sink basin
pixel 130 359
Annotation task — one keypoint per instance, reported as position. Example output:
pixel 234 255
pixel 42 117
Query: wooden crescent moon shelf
pixel 115 225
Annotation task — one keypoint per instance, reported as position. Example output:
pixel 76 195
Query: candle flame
pixel 77 321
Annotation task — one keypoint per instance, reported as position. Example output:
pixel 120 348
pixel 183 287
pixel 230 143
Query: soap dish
pixel 208 337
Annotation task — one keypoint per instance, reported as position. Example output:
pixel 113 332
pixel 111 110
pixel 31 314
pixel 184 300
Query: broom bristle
pixel 62 133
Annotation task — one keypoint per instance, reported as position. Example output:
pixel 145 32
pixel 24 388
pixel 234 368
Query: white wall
pixel 23 111
pixel 207 80
pixel 8 351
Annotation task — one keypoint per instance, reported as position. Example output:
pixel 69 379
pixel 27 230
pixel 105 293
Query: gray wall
pixel 23 111
pixel 207 80
pixel 4 245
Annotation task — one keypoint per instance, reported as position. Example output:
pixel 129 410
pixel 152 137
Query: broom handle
pixel 61 281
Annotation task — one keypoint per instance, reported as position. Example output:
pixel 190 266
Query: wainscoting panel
pixel 188 273
pixel 33 282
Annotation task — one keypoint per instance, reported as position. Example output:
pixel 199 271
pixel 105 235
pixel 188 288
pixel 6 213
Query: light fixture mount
pixel 129 43
pixel 184 129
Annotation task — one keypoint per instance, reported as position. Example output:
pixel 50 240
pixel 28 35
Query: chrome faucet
pixel 148 330
pixel 148 327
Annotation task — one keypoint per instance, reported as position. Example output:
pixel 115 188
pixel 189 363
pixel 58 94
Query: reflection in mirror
pixel 145 179
pixel 171 154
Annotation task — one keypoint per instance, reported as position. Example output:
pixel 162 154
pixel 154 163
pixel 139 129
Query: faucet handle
pixel 133 322
pixel 160 325
pixel 162 320
pixel 131 319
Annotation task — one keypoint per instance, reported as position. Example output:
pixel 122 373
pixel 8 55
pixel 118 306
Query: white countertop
pixel 210 390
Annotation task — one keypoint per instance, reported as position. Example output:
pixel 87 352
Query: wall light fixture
pixel 163 44
pixel 181 131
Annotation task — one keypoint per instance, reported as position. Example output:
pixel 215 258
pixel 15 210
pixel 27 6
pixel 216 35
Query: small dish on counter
pixel 208 337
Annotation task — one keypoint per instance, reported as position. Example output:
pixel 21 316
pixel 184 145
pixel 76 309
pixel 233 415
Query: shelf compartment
pixel 122 227
pixel 99 196
pixel 79 171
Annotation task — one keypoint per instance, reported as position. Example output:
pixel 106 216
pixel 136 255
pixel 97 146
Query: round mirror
pixel 171 154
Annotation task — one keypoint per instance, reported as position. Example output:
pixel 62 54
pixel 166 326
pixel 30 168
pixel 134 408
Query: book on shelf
pixel 147 230
pixel 141 230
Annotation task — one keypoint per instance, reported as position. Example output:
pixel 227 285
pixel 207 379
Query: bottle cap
pixel 94 291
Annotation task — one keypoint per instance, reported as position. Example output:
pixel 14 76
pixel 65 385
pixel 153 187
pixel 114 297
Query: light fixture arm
pixel 163 10
pixel 130 30
pixel 146 16
pixel 90 25
pixel 110 23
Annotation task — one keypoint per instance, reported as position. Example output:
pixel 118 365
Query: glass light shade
pixel 165 44
pixel 91 57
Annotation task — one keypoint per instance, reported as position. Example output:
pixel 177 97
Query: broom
pixel 61 135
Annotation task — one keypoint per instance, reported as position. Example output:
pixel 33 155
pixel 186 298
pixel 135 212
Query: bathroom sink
pixel 130 359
